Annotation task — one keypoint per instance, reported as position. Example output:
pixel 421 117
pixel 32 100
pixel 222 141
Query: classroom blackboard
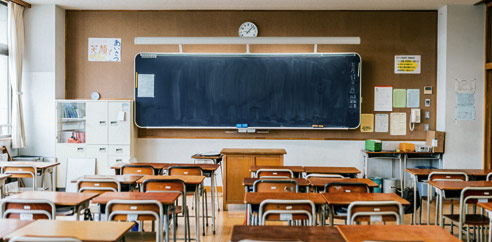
pixel 257 90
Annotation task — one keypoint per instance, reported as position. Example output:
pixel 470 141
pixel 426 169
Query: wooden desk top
pixel 38 165
pixel 321 182
pixel 205 167
pixel 190 180
pixel 295 169
pixel 4 176
pixel 165 198
pixel 331 170
pixel 290 233
pixel 250 181
pixel 206 157
pixel 470 172
pixel 87 231
pixel 157 166
pixel 8 226
pixel 459 185
pixel 347 198
pixel 123 179
pixel 237 151
pixel 487 206
pixel 256 198
pixel 399 153
pixel 424 233
pixel 58 198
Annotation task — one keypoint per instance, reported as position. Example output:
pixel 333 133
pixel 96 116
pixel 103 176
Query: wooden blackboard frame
pixel 152 54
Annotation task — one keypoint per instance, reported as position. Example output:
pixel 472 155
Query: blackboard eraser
pixel 244 125
pixel 315 126
pixel 238 126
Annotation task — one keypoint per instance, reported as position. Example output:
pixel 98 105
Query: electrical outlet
pixel 427 102
pixel 426 127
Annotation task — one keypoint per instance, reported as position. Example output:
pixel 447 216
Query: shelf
pixel 67 120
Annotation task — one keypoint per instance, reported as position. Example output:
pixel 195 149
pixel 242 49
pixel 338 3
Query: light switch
pixel 427 115
pixel 426 127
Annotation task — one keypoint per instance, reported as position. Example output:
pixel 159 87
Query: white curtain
pixel 16 53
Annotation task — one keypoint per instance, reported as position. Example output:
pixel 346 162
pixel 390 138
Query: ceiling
pixel 253 4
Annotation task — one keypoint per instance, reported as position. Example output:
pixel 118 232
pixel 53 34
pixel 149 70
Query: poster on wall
pixel 407 64
pixel 105 49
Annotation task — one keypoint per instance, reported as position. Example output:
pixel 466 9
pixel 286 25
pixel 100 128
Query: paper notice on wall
pixel 465 113
pixel 399 98
pixel 465 99
pixel 407 64
pixel 381 122
pixel 398 124
pixel 465 86
pixel 383 96
pixel 145 85
pixel 105 49
pixel 367 122
pixel 413 98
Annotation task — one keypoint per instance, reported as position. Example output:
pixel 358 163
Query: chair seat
pixel 179 209
pixel 470 219
pixel 140 236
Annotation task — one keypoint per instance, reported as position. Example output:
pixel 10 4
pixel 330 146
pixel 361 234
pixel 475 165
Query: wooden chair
pixel 324 175
pixel 130 169
pixel 488 176
pixel 44 239
pixel 21 171
pixel 287 210
pixel 4 150
pixel 27 209
pixel 449 196
pixel 137 210
pixel 338 212
pixel 468 196
pixel 98 185
pixel 157 185
pixel 274 173
pixel 375 211
pixel 277 185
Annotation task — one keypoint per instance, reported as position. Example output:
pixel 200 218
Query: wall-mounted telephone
pixel 414 118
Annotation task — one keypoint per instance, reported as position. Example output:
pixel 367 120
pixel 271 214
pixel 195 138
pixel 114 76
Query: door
pixel 119 122
pixel 97 122
pixel 237 168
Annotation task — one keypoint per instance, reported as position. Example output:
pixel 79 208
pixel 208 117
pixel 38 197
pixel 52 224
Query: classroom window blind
pixel 5 94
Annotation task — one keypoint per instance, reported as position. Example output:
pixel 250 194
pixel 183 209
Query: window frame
pixel 5 51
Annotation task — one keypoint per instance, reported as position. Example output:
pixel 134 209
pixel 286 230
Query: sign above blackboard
pixel 263 91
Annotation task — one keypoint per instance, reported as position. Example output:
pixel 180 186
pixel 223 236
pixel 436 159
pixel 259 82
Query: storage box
pixel 407 147
pixel 374 145
pixel 436 140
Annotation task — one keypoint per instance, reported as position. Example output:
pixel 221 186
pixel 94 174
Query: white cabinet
pixel 107 129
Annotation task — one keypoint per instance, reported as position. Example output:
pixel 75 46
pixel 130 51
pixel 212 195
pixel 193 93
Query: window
pixel 5 93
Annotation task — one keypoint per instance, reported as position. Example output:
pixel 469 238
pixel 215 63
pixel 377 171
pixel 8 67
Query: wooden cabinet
pixel 236 167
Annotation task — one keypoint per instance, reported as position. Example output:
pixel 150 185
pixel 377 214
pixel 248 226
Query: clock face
pixel 248 29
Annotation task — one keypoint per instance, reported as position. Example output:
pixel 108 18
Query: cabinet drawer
pixel 94 151
pixel 117 159
pixel 119 150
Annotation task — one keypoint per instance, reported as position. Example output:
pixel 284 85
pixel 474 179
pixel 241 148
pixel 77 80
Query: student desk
pixel 167 200
pixel 443 186
pixel 297 170
pixel 67 199
pixel 318 183
pixel 344 199
pixel 194 181
pixel 157 166
pixel 87 231
pixel 248 183
pixel 423 233
pixel 344 171
pixel 126 180
pixel 255 198
pixel 43 167
pixel 8 226
pixel 3 177
pixel 488 207
pixel 423 174
pixel 286 233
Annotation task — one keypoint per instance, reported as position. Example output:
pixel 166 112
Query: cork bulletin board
pixel 383 34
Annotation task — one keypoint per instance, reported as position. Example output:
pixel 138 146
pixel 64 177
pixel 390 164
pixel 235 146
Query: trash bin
pixel 390 185
pixel 379 181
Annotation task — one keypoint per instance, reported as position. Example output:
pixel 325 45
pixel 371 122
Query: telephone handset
pixel 414 118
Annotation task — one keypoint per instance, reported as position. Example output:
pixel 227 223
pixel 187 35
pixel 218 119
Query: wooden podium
pixel 236 167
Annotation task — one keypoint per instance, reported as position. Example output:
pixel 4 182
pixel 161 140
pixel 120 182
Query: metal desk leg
pixel 197 212
pixel 441 219
pixel 404 174
pixel 366 161
pixel 331 212
pixel 212 189
pixel 429 196
pixel 414 218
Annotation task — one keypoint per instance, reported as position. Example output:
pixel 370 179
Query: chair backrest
pixel 157 185
pixel 274 173
pixel 342 187
pixel 275 185
pixel 4 150
pixel 473 195
pixel 375 211
pixel 98 185
pixel 324 175
pixel 20 171
pixel 449 176
pixel 185 170
pixel 44 239
pixel 489 176
pixel 27 209
pixel 136 210
pixel 287 210
pixel 129 169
